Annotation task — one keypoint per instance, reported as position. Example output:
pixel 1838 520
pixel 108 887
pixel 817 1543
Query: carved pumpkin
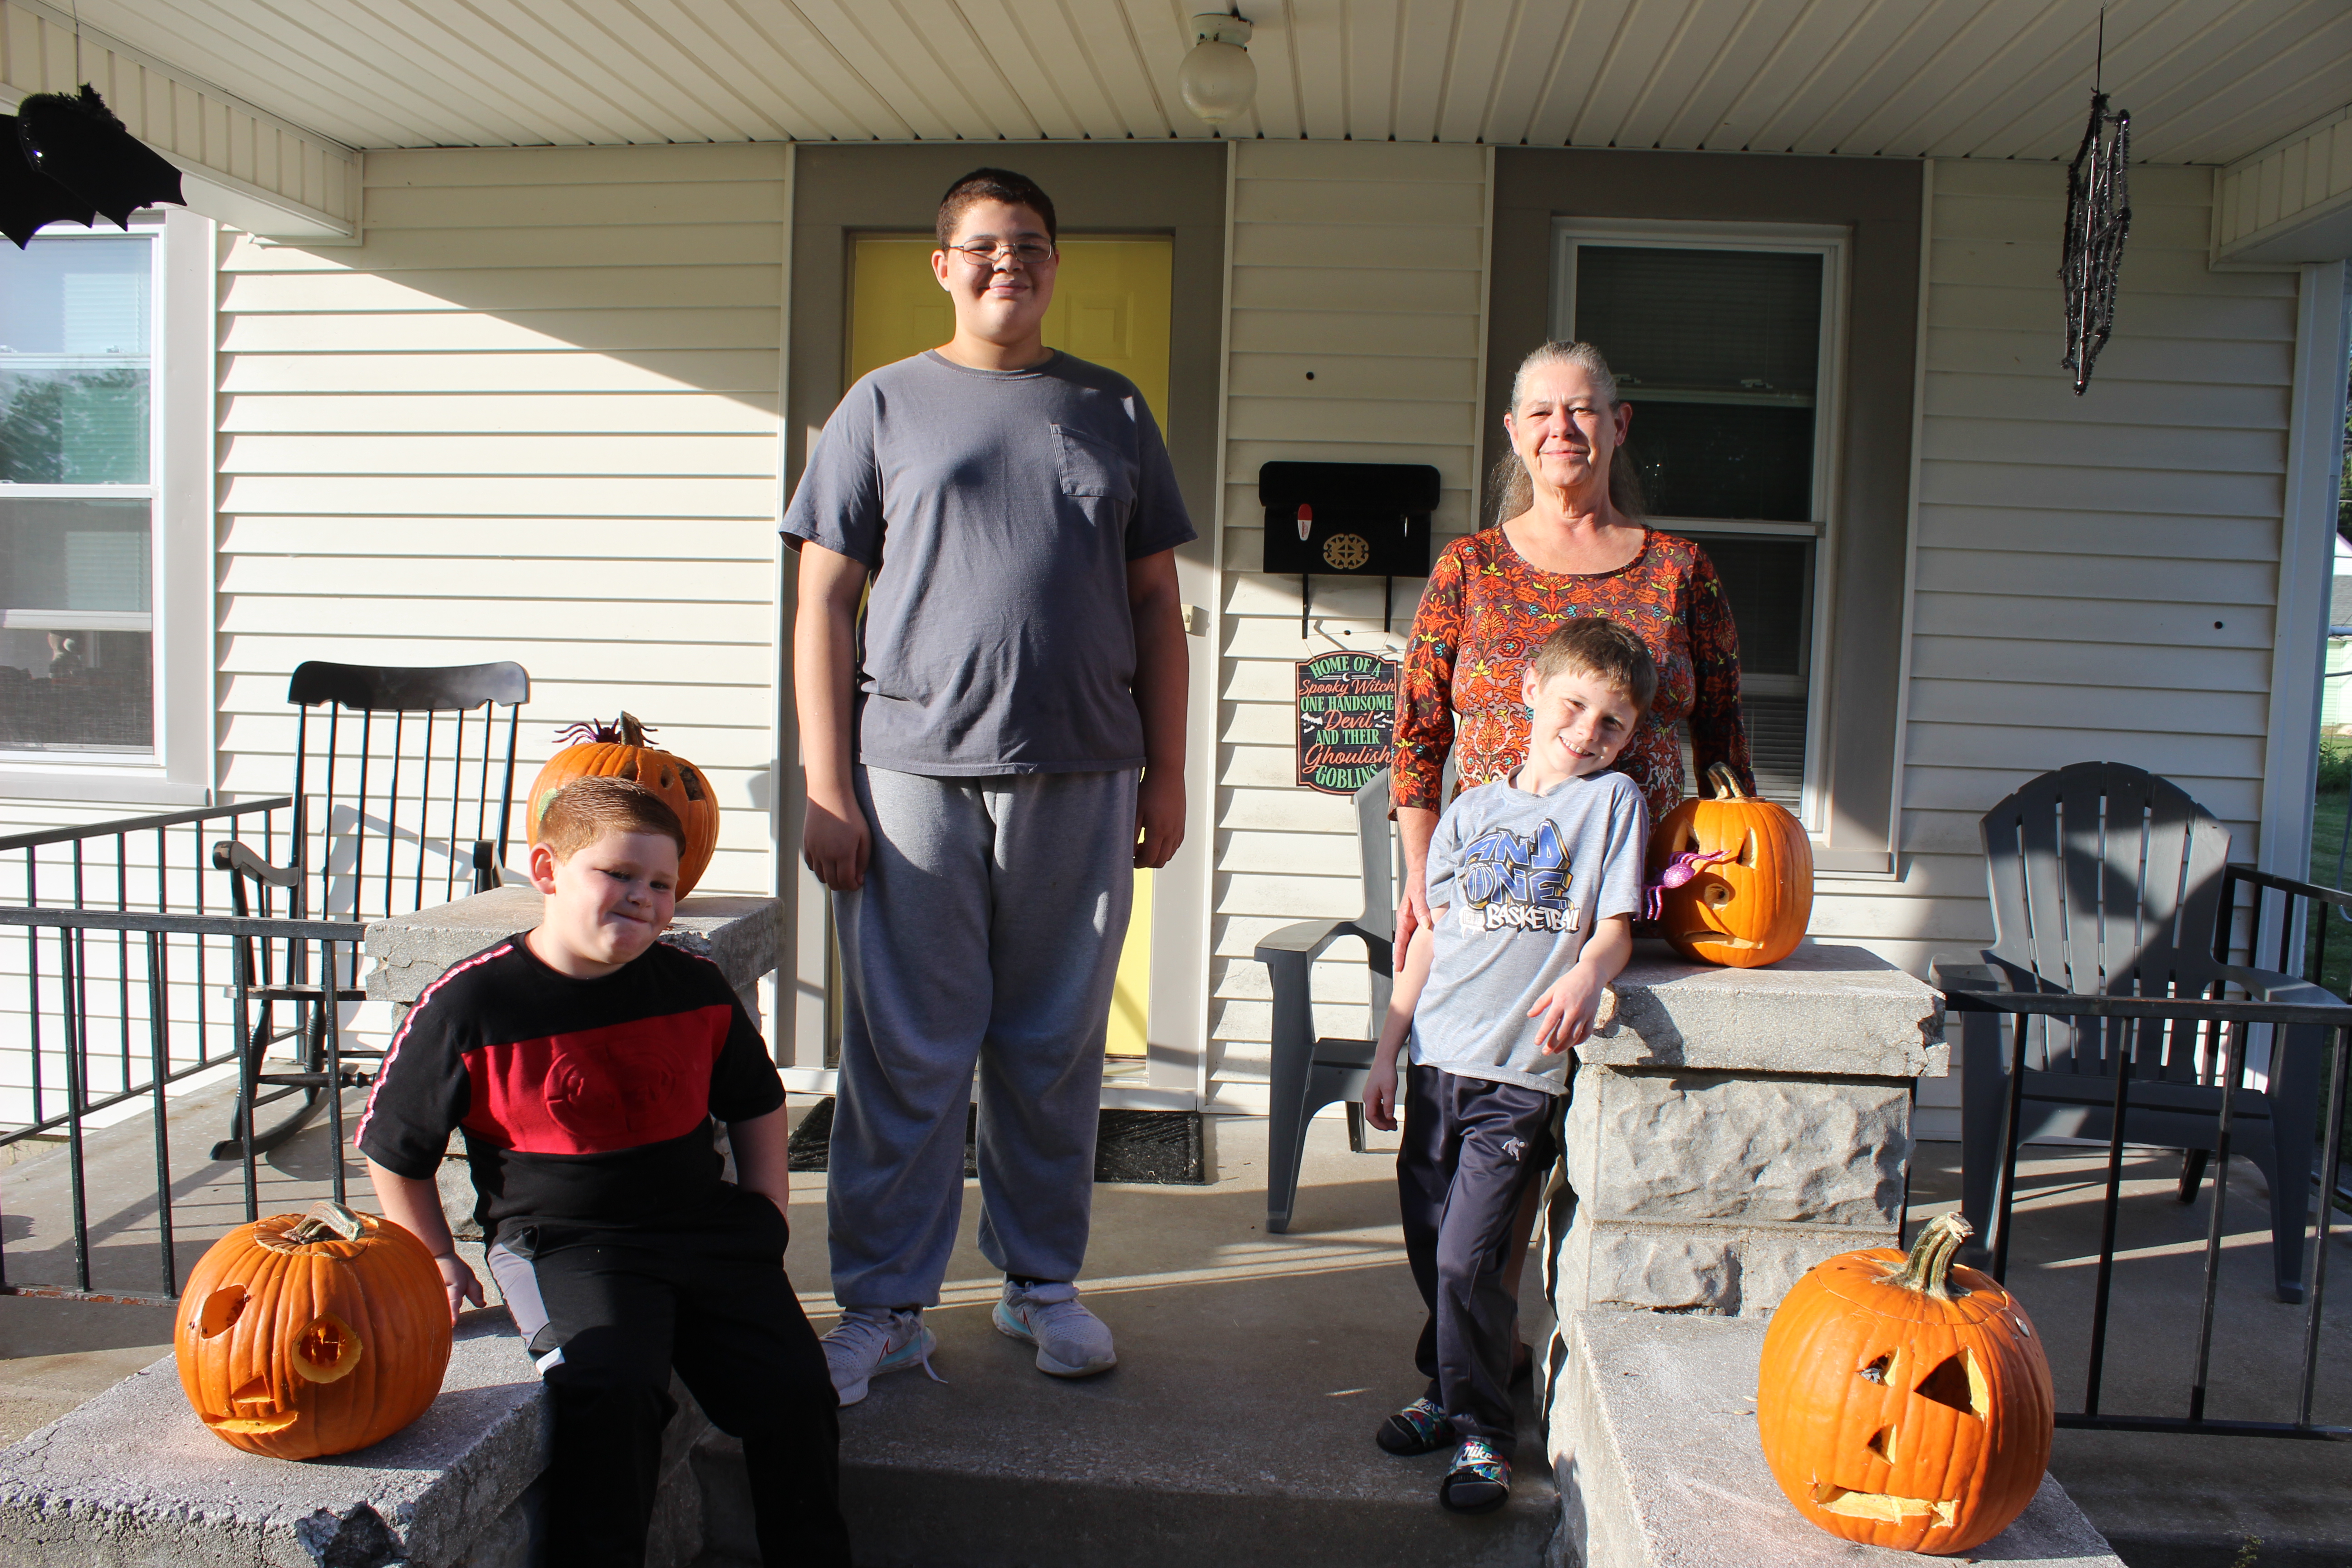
pixel 1904 1403
pixel 301 1335
pixel 618 751
pixel 1753 889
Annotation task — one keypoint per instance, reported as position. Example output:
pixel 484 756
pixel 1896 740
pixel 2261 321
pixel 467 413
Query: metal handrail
pixel 64 997
pixel 123 826
pixel 2021 1004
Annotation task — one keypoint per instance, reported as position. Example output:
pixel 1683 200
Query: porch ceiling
pixel 2206 80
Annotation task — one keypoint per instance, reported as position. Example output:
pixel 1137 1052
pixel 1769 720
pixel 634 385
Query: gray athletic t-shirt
pixel 998 511
pixel 1527 877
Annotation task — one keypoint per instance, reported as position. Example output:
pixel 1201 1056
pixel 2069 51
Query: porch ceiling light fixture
pixel 72 160
pixel 1218 79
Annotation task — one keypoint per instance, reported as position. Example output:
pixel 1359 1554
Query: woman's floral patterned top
pixel 1486 611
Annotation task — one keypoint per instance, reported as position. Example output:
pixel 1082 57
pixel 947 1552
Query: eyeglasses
pixel 1028 252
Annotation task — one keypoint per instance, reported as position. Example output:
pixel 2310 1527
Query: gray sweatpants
pixel 989 928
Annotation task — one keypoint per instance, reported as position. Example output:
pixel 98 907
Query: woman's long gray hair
pixel 1512 489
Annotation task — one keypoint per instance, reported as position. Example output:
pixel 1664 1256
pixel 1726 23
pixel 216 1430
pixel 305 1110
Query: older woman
pixel 1569 541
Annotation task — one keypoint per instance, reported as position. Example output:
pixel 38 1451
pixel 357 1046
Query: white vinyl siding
pixel 534 417
pixel 1392 322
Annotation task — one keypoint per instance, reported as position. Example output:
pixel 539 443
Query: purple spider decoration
pixel 1682 869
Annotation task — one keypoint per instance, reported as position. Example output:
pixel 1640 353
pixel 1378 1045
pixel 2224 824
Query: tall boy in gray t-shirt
pixel 1534 880
pixel 986 650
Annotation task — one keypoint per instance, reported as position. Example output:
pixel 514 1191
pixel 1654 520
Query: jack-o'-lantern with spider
pixel 1747 889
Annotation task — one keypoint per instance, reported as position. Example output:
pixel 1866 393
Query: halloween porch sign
pixel 1732 878
pixel 304 1335
pixel 1902 1402
pixel 619 751
pixel 1346 720
pixel 65 158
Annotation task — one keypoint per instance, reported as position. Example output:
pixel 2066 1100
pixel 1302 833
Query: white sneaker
pixel 1071 1342
pixel 871 1340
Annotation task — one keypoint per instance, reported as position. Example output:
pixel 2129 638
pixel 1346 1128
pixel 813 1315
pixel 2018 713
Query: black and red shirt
pixel 587 1100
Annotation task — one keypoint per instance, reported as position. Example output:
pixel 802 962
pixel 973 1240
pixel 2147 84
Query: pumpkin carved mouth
pixel 1832 1498
pixel 1716 939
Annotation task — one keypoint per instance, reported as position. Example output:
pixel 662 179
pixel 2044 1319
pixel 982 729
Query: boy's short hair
pixel 993 185
pixel 586 809
pixel 1600 648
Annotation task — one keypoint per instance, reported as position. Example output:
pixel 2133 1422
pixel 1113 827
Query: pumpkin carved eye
pixel 1875 1372
pixel 221 1309
pixel 327 1350
pixel 1957 1383
pixel 1747 850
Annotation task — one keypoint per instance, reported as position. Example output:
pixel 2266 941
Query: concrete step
pixel 1238 1425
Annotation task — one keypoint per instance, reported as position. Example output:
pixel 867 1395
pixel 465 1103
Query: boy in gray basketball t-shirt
pixel 1534 880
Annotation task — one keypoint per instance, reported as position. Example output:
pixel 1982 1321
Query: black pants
pixel 607 1313
pixel 1471 1147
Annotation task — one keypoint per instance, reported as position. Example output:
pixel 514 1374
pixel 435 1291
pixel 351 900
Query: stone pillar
pixel 1734 1127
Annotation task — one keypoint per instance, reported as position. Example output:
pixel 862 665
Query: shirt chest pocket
pixel 1091 467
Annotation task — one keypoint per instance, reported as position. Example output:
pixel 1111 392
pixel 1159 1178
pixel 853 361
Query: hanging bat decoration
pixel 2098 220
pixel 30 199
pixel 70 160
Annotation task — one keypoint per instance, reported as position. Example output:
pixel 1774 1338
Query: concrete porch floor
pixel 1255 1368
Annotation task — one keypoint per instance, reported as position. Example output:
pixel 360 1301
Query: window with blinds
pixel 1721 342
pixel 76 494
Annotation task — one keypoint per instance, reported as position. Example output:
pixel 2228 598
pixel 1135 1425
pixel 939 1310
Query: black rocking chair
pixel 402 799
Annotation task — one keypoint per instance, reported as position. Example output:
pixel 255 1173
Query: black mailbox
pixel 1347 520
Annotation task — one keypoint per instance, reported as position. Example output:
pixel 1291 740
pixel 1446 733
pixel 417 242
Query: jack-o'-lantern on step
pixel 302 1335
pixel 1744 890
pixel 1904 1403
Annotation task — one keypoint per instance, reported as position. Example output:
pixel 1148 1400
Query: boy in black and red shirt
pixel 585 1060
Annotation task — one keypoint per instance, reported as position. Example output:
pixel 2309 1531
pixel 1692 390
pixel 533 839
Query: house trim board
pixel 1911 524
pixel 1205 923
pixel 2306 559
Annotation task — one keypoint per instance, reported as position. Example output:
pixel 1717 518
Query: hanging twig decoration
pixel 2098 219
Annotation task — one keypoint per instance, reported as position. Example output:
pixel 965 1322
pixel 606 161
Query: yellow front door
pixel 1111 306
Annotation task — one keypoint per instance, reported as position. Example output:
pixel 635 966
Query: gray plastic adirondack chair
pixel 1307 1072
pixel 2106 880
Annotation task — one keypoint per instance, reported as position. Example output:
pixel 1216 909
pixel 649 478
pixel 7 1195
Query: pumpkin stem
pixel 327 1220
pixel 1928 1269
pixel 1726 781
pixel 632 733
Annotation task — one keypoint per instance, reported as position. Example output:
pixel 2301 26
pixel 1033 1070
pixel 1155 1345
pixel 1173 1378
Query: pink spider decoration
pixel 1682 869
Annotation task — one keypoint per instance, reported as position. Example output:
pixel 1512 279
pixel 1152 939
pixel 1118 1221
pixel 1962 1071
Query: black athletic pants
pixel 1471 1147
pixel 607 1313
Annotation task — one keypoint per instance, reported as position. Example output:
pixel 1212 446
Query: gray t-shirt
pixel 998 511
pixel 1527 877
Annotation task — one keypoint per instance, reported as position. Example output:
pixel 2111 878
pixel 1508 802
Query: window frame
pixel 179 489
pixel 1834 244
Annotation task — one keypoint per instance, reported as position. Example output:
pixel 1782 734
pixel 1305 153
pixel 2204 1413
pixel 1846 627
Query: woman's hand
pixel 1416 826
pixel 1413 910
